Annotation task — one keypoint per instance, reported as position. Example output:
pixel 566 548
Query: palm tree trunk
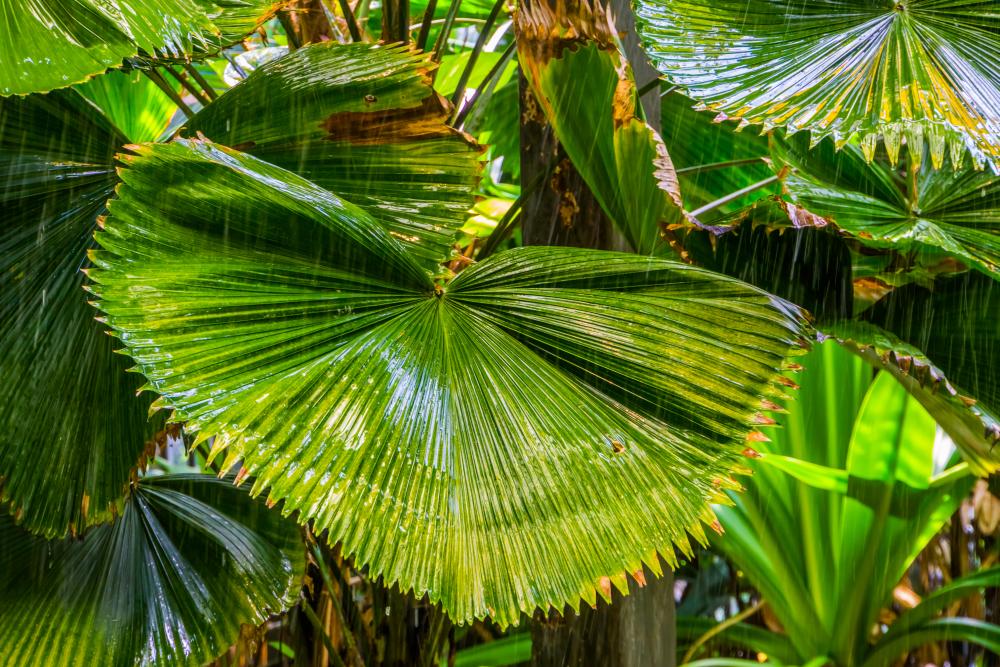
pixel 637 630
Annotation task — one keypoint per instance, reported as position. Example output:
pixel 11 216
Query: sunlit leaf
pixel 919 70
pixel 825 549
pixel 548 420
pixel 927 210
pixel 169 582
pixel 588 95
pixel 51 45
pixel 132 103
pixel 71 428
pixel 370 129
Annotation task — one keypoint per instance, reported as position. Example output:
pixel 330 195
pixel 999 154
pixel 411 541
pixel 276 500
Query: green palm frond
pixel 371 129
pixel 52 45
pixel 955 326
pixel 71 428
pixel 972 424
pixel 499 442
pixel 904 208
pixel 854 70
pixel 170 582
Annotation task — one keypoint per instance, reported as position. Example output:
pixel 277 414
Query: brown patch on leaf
pixel 801 218
pixel 788 382
pixel 623 105
pixel 387 126
pixel 763 420
pixel 604 585
pixel 545 28
pixel 870 289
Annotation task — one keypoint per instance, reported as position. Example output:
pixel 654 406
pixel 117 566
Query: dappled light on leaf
pixel 457 439
pixel 853 70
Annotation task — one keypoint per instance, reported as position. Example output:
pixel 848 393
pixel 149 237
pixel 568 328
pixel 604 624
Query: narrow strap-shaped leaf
pixel 973 631
pixel 169 582
pixel 853 70
pixel 71 426
pixel 371 129
pixel 464 440
pixel 741 635
pixel 934 603
pixel 56 44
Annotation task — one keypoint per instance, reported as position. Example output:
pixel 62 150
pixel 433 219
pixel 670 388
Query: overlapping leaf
pixel 780 248
pixel 923 70
pixel 132 103
pixel 845 497
pixel 698 146
pixel 971 425
pixel 499 442
pixel 955 326
pixel 588 95
pixel 169 582
pixel 71 428
pixel 56 44
pixel 905 208
pixel 363 122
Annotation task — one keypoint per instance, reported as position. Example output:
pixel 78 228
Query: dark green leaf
pixel 887 207
pixel 169 582
pixel 774 245
pixel 71 428
pixel 741 635
pixel 499 442
pixel 979 633
pixel 939 600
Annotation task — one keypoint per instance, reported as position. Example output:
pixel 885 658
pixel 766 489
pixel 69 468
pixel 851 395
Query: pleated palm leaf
pixel 170 582
pixel 923 71
pixel 522 435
